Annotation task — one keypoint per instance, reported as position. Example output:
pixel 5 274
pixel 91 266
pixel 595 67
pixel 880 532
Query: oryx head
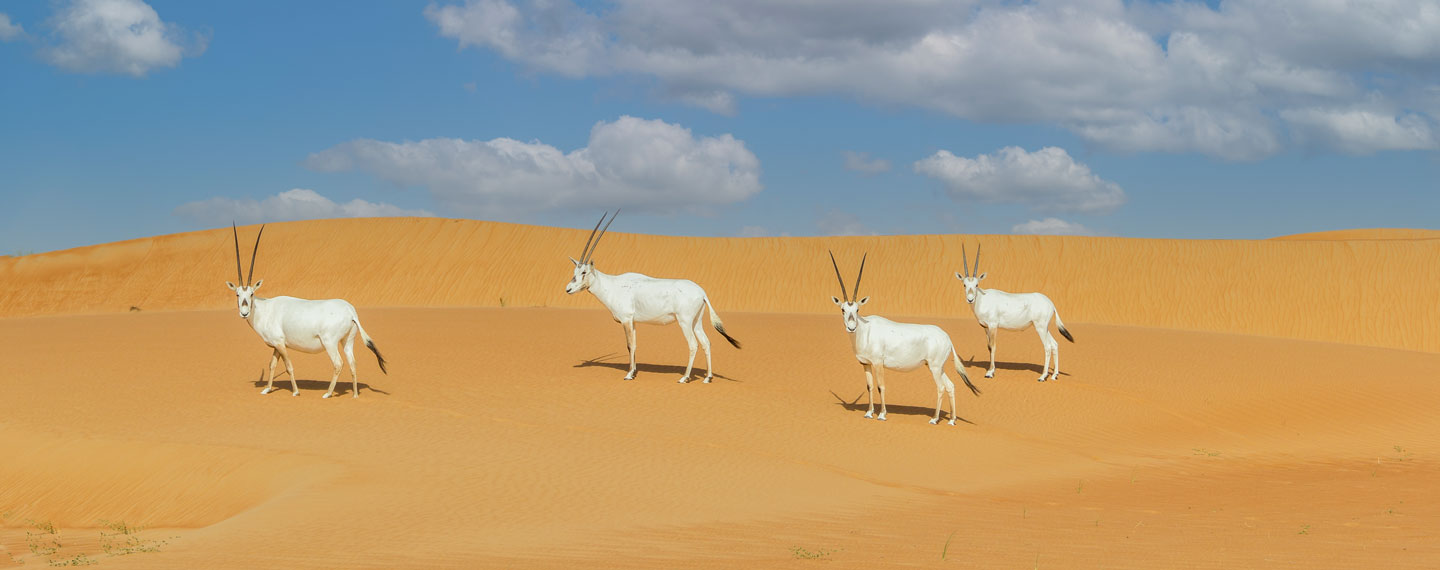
pixel 245 292
pixel 583 277
pixel 849 308
pixel 971 281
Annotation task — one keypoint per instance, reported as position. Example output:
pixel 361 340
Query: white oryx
pixel 881 343
pixel 302 324
pixel 996 309
pixel 635 298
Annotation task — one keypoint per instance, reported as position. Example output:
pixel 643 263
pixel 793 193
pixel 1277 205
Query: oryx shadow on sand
pixel 929 412
pixel 342 386
pixel 696 374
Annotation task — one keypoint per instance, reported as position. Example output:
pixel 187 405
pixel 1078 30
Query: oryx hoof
pixel 357 395
pixel 934 421
pixel 880 417
pixel 706 381
pixel 869 415
pixel 295 393
pixel 630 377
pixel 265 390
pixel 952 421
pixel 683 379
pixel 1041 379
pixel 990 374
pixel 327 395
pixel 1054 376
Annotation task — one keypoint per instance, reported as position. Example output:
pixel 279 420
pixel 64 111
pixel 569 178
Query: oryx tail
pixel 370 344
pixel 719 326
pixel 960 367
pixel 1061 326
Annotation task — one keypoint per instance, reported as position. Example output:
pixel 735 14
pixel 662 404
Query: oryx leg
pixel 1045 341
pixel 991 336
pixel 334 351
pixel 270 378
pixel 629 327
pixel 940 381
pixel 880 384
pixel 870 389
pixel 1052 346
pixel 289 367
pixel 949 389
pixel 350 356
pixel 688 330
pixel 705 345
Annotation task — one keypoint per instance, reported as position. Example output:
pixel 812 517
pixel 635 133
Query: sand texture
pixel 1205 419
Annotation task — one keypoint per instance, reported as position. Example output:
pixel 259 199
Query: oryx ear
pixel 256 285
pixel 863 300
pixel 230 285
pixel 982 276
pixel 959 276
pixel 577 263
pixel 836 300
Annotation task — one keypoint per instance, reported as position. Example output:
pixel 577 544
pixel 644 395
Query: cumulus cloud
pixel 117 36
pixel 9 30
pixel 1051 227
pixel 862 163
pixel 633 163
pixel 1130 76
pixel 1359 131
pixel 1047 179
pixel 294 204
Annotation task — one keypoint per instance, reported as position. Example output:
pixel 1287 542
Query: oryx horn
pixel 586 251
pixel 598 237
pixel 837 276
pixel 859 275
pixel 977 259
pixel 965 256
pixel 239 273
pixel 252 256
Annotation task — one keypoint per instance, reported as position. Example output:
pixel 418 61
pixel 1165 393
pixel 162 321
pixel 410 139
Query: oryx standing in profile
pixel 996 309
pixel 308 326
pixel 881 343
pixel 635 298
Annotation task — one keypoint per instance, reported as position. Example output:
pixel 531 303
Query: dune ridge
pixel 1366 292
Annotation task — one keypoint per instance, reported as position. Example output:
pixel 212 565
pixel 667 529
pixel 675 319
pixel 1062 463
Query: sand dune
pixel 1368 292
pixel 1187 429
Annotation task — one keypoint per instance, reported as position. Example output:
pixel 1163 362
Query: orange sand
pixel 505 437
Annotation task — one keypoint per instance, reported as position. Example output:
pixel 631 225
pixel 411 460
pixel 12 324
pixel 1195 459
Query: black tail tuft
pixel 1066 334
pixel 973 388
pixel 371 345
pixel 721 329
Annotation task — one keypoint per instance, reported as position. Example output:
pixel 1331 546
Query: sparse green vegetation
pixel 1205 452
pixel 77 560
pixel 946 549
pixel 1304 529
pixel 123 539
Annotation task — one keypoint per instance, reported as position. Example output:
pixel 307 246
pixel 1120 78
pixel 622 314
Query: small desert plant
pixel 77 560
pixel 45 542
pixel 803 553
pixel 123 539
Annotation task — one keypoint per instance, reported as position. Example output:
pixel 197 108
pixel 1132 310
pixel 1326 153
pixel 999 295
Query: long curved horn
pixel 966 258
pixel 252 255
pixel 977 259
pixel 239 274
pixel 586 251
pixel 601 235
pixel 837 276
pixel 861 274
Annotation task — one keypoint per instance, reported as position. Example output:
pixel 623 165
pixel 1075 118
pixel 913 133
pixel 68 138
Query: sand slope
pixel 1368 292
pixel 1218 409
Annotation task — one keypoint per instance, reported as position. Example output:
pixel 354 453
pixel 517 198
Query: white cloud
pixel 1358 131
pixel 1051 227
pixel 633 163
pixel 1129 76
pixel 294 204
pixel 8 30
pixel 759 231
pixel 862 163
pixel 1047 179
pixel 838 223
pixel 117 36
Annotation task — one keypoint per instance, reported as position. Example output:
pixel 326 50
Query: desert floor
pixel 1225 404
pixel 506 438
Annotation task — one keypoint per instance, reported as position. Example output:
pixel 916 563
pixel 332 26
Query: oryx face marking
pixel 244 297
pixel 850 312
pixel 580 279
pixel 972 286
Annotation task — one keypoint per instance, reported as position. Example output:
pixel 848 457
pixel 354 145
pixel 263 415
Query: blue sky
pixel 121 118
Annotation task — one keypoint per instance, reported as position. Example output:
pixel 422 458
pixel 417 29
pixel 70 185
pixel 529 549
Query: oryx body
pixel 996 309
pixel 290 323
pixel 881 343
pixel 636 298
